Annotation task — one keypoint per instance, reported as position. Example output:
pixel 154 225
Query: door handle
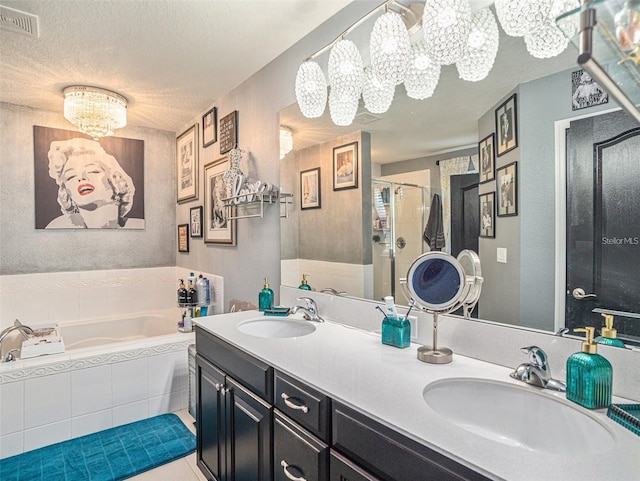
pixel 579 294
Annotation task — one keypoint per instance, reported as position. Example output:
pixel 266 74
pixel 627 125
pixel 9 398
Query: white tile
pixel 168 373
pixel 35 306
pixel 146 297
pixel 11 407
pixel 165 295
pixel 47 399
pixel 90 390
pixel 119 300
pixel 91 423
pixel 92 302
pixel 11 444
pixel 129 413
pixel 178 469
pixel 48 434
pixel 166 403
pixel 63 304
pixel 129 381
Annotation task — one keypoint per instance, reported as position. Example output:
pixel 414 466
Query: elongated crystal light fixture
pixel 520 17
pixel 446 25
pixel 482 47
pixel 423 73
pixel 311 89
pixel 389 46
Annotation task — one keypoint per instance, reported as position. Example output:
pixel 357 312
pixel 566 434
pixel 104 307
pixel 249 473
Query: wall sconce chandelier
pixel 451 34
pixel 94 111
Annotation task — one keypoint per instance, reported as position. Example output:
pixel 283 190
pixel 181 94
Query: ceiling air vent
pixel 365 117
pixel 17 21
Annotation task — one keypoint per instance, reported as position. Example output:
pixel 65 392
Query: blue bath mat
pixel 116 453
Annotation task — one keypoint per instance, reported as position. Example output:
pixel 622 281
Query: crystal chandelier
pixel 423 73
pixel 94 111
pixel 549 40
pixel 346 75
pixel 389 45
pixel 520 17
pixel 446 25
pixel 377 94
pixel 482 47
pixel 342 107
pixel 286 141
pixel 311 89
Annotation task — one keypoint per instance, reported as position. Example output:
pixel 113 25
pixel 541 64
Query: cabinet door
pixel 249 427
pixel 210 428
pixel 298 455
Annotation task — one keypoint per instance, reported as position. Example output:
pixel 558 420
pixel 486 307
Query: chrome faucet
pixel 332 291
pixel 26 331
pixel 537 371
pixel 310 309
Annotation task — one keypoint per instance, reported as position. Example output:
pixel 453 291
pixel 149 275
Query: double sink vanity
pixel 283 398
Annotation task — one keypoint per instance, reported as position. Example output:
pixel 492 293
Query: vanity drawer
pixel 303 404
pixel 251 372
pixel 342 469
pixel 296 453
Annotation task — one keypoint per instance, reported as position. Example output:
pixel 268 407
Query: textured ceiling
pixel 170 58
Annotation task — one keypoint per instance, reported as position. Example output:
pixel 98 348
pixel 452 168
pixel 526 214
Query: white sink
pixel 518 416
pixel 276 327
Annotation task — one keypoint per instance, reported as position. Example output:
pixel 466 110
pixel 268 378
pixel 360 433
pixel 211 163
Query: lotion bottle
pixel 265 297
pixel 589 375
pixel 609 334
pixel 182 294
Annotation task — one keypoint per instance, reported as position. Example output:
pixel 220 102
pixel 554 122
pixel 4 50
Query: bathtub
pixel 114 371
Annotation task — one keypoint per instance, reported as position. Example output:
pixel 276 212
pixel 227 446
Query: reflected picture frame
pixel 195 221
pixel 187 164
pixel 310 189
pixel 183 238
pixel 487 158
pixel 345 166
pixel 507 126
pixel 507 190
pixel 488 215
pixel 210 127
pixel 219 228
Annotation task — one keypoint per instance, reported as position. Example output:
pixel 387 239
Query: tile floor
pixel 183 469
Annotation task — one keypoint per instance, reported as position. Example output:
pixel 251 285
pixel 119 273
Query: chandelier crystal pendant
pixel 446 25
pixel 389 46
pixel 342 107
pixel 311 89
pixel 286 141
pixel 423 73
pixel 377 94
pixel 482 47
pixel 520 17
pixel 94 111
pixel 549 40
pixel 346 75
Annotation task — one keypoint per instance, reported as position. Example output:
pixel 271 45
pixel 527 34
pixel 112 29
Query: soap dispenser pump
pixel 589 375
pixel 304 285
pixel 609 334
pixel 265 297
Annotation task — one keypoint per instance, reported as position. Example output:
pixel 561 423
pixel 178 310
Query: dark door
pixel 465 213
pixel 603 222
pixel 210 428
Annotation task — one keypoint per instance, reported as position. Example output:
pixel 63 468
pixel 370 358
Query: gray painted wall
pixel 23 249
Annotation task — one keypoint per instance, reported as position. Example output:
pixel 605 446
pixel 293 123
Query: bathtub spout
pixel 26 331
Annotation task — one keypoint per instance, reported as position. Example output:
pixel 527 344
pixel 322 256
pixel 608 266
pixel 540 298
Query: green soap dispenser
pixel 265 297
pixel 589 375
pixel 609 334
pixel 304 284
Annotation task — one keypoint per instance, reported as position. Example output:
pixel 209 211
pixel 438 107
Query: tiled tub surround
pixel 387 384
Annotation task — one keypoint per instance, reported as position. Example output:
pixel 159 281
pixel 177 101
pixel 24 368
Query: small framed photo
pixel 187 164
pixel 506 126
pixel 586 92
pixel 228 132
pixel 310 192
pixel 507 180
pixel 487 156
pixel 183 238
pixel 195 221
pixel 488 215
pixel 209 132
pixel 218 227
pixel 345 166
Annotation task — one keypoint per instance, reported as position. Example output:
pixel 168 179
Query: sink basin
pixel 276 328
pixel 518 416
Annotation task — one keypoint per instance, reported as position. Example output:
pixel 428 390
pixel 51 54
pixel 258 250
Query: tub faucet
pixel 332 291
pixel 310 310
pixel 26 331
pixel 537 371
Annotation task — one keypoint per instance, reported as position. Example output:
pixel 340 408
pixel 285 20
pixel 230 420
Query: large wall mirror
pixel 360 240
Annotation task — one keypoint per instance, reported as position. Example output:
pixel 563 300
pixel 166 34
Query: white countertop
pixel 352 366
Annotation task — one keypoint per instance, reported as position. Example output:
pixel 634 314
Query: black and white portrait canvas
pixel 218 227
pixel 81 183
pixel 585 92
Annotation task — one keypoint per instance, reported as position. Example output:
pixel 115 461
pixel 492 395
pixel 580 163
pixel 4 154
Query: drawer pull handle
pixel 285 468
pixel 292 405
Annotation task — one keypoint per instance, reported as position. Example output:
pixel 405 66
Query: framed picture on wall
pixel 506 126
pixel 209 132
pixel 487 155
pixel 345 166
pixel 507 179
pixel 187 164
pixel 183 238
pixel 195 221
pixel 218 227
pixel 488 214
pixel 310 192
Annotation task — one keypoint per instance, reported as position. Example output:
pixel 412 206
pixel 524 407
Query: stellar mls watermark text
pixel 633 241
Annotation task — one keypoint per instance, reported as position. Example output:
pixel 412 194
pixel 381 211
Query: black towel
pixel 434 230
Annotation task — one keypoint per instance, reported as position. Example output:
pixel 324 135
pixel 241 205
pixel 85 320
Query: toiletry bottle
pixel 182 294
pixel 192 295
pixel 265 297
pixel 201 289
pixel 304 284
pixel 589 375
pixel 188 319
pixel 609 334
pixel 390 307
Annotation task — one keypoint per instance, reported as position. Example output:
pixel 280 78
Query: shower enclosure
pixel 399 216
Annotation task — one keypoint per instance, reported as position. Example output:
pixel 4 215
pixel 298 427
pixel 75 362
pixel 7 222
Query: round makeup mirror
pixel 470 263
